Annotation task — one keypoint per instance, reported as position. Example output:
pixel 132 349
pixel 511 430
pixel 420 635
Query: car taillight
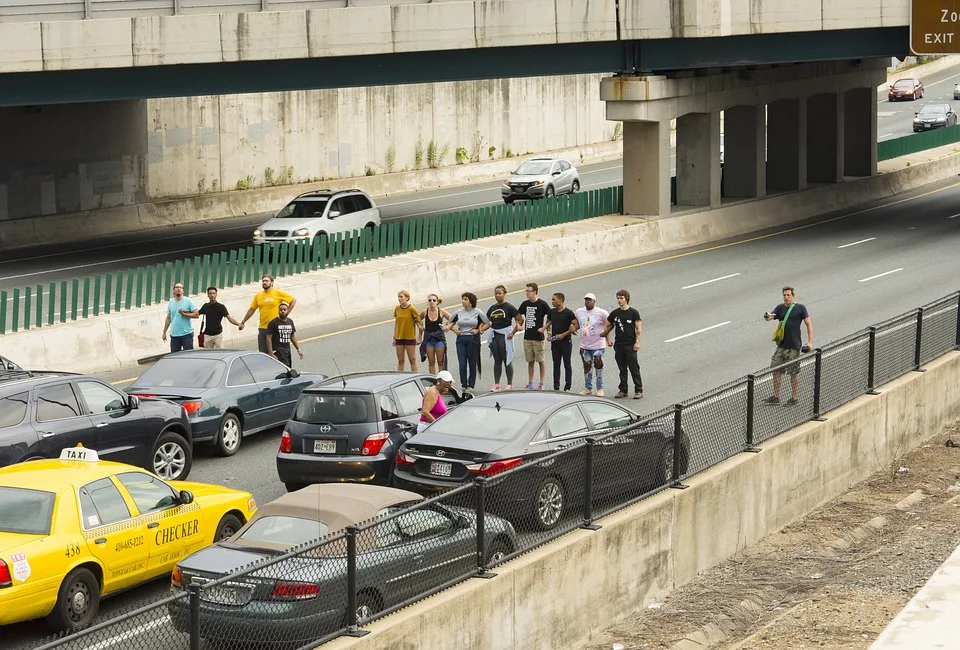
pixel 143 395
pixel 176 578
pixel 283 590
pixel 374 443
pixel 192 407
pixel 286 444
pixel 497 466
pixel 5 580
pixel 403 459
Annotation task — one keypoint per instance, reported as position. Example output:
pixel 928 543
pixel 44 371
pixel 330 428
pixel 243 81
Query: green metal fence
pixel 79 298
pixel 908 144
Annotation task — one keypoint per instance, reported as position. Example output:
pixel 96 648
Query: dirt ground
pixel 833 579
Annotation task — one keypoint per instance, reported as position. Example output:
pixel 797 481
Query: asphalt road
pixel 701 314
pixel 895 119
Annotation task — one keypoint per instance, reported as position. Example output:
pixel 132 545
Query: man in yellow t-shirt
pixel 268 302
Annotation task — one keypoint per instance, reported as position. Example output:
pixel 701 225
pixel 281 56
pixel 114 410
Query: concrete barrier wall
pixel 561 594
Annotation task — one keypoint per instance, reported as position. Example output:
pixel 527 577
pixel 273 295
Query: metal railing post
pixel 176 7
pixel 480 488
pixel 677 446
pixel 918 343
pixel 751 404
pixel 872 362
pixel 194 590
pixel 352 629
pixel 87 9
pixel 817 381
pixel 588 487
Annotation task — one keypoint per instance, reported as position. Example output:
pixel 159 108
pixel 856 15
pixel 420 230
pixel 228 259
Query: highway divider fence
pixel 341 582
pixel 908 144
pixel 89 296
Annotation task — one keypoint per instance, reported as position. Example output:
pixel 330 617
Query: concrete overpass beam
pixel 646 168
pixel 860 132
pixel 825 138
pixel 787 145
pixel 744 152
pixel 698 159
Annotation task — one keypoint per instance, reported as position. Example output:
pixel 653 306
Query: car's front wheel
pixel 549 192
pixel 77 602
pixel 172 457
pixel 229 436
pixel 228 527
pixel 293 487
pixel 575 187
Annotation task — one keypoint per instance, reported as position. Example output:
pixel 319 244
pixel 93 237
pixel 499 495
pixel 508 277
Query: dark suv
pixel 348 428
pixel 44 412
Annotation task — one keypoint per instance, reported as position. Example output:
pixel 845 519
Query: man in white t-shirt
pixel 593 321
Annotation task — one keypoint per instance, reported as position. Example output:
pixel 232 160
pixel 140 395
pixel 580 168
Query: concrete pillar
pixel 744 152
pixel 860 132
pixel 786 145
pixel 825 124
pixel 698 159
pixel 646 168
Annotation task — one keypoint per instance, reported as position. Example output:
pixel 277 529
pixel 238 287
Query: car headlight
pixel 301 232
pixel 507 182
pixel 916 120
pixel 538 182
pixel 257 233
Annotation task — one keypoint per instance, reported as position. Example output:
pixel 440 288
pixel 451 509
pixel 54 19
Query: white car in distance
pixel 320 212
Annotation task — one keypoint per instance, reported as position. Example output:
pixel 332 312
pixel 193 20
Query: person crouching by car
pixel 281 332
pixel 433 407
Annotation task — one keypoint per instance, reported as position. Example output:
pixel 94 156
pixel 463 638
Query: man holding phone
pixel 790 314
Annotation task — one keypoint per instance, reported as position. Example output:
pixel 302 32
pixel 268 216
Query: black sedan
pixel 934 116
pixel 406 548
pixel 227 394
pixel 500 431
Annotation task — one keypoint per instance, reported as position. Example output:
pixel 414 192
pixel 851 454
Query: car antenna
pixel 342 378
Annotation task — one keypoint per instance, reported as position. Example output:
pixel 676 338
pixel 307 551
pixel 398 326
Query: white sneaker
pixel 586 391
pixel 600 392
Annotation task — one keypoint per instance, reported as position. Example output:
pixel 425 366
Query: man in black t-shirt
pixel 562 323
pixel 533 313
pixel 789 349
pixel 625 322
pixel 213 313
pixel 503 327
pixel 281 332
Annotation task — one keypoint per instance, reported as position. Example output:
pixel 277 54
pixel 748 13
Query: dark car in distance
pixel 497 432
pixel 227 394
pixel 44 412
pixel 348 428
pixel 934 116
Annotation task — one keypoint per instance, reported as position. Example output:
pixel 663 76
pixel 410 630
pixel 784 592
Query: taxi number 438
pixel 72 550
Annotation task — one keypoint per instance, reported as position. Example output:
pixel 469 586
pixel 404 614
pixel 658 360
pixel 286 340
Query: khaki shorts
pixel 782 356
pixel 533 350
pixel 213 342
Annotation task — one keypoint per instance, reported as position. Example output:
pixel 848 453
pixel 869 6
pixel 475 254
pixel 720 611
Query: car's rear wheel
pixel 498 550
pixel 548 504
pixel 230 435
pixel 228 527
pixel 77 602
pixel 367 606
pixel 172 457
pixel 666 464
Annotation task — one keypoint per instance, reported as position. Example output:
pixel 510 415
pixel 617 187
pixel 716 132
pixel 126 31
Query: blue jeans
pixel 184 342
pixel 465 352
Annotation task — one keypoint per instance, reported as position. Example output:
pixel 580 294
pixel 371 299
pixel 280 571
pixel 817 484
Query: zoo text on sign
pixel 935 27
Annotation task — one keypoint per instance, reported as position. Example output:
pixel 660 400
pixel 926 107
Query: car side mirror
pixel 333 214
pixel 134 402
pixel 293 373
pixel 186 497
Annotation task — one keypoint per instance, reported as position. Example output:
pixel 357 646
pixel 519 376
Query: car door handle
pixel 47 434
pixel 100 425
pixel 101 540
pixel 153 525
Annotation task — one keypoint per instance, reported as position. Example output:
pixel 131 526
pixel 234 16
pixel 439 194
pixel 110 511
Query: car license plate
pixel 440 469
pixel 324 446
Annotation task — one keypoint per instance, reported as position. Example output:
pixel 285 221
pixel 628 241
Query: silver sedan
pixel 540 178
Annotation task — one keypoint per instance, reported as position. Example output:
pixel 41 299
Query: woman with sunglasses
pixel 434 346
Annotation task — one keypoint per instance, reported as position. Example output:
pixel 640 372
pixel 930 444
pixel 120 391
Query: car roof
pixel 327 193
pixel 203 353
pixel 364 381
pixel 16 379
pixel 54 475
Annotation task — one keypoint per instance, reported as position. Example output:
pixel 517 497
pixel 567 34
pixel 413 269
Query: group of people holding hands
pixel 539 321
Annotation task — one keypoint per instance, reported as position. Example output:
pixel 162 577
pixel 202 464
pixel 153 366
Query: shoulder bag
pixel 782 327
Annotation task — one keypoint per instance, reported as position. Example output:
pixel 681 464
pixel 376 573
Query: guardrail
pixel 908 144
pixel 595 477
pixel 90 296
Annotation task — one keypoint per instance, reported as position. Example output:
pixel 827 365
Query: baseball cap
pixel 444 375
pixel 590 296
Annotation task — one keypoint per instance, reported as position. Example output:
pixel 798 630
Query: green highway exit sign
pixel 935 26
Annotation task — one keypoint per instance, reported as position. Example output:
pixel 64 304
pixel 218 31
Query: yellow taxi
pixel 77 528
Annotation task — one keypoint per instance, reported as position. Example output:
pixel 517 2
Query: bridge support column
pixel 825 122
pixel 744 152
pixel 860 132
pixel 646 168
pixel 698 159
pixel 787 145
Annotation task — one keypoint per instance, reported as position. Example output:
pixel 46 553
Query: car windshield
pixel 183 373
pixel 320 408
pixel 486 422
pixel 28 512
pixel 904 84
pixel 303 209
pixel 534 168
pixel 283 531
pixel 933 111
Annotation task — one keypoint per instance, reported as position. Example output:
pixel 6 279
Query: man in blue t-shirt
pixel 180 326
pixel 790 347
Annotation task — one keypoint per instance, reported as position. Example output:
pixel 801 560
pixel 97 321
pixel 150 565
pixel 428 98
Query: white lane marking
pixel 941 81
pixel 862 241
pixel 887 113
pixel 705 329
pixel 880 275
pixel 700 284
pixel 123 636
pixel 886 135
pixel 954 216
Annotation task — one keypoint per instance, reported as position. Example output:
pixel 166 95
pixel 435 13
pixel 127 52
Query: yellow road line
pixel 656 261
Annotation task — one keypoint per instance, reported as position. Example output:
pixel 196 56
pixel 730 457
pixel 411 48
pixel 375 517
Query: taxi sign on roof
pixel 79 453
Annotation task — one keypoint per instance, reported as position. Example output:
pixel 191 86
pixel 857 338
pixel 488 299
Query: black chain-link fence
pixel 304 596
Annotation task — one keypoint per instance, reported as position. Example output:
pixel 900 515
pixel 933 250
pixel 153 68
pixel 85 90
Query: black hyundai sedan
pixel 497 432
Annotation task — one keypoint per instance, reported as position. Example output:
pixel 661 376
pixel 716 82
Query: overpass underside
pixel 785 129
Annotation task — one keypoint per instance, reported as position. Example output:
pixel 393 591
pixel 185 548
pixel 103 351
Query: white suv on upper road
pixel 320 212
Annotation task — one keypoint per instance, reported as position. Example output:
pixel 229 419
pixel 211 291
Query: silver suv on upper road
pixel 540 178
pixel 320 212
